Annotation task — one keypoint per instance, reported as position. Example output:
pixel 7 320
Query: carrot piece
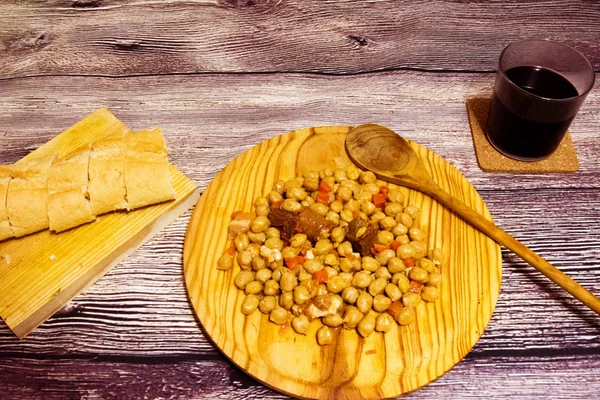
pixel 293 262
pixel 370 352
pixel 395 244
pixel 323 197
pixel 409 262
pixel 276 204
pixel 415 287
pixel 394 307
pixel 230 250
pixel 379 199
pixel 384 190
pixel 321 276
pixel 378 248
pixel 324 187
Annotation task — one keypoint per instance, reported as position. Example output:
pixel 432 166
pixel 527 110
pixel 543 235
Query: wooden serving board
pixel 379 366
pixel 42 272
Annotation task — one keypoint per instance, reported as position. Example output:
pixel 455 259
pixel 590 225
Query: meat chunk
pixel 314 225
pixel 287 221
pixel 362 234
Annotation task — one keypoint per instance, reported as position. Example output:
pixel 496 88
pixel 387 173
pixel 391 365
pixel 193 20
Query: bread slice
pixel 27 196
pixel 68 205
pixel 5 177
pixel 106 185
pixel 147 175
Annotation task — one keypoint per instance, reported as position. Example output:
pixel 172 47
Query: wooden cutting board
pixel 42 272
pixel 379 366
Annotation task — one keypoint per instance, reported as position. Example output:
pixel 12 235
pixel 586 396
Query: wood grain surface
pixel 224 76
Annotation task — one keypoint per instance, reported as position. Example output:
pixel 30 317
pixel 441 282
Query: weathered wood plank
pixel 211 119
pixel 189 377
pixel 102 38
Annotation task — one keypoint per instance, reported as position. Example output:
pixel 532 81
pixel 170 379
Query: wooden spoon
pixel 385 153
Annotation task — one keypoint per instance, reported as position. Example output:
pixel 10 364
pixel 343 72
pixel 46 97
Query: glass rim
pixel 587 62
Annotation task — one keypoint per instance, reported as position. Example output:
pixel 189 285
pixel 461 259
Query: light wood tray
pixel 42 272
pixel 380 366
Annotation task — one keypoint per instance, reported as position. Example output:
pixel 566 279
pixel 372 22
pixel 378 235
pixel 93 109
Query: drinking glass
pixel 540 85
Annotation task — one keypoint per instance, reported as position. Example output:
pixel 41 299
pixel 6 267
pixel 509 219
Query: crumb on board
pixel 52 257
pixel 7 258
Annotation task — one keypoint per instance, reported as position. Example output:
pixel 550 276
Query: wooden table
pixel 221 76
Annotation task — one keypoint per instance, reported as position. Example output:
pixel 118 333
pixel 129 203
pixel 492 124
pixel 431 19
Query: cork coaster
pixel 564 159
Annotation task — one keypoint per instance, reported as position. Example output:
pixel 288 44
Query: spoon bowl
pixel 379 149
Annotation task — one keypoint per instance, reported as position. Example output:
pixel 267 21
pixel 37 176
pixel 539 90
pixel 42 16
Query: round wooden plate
pixel 382 365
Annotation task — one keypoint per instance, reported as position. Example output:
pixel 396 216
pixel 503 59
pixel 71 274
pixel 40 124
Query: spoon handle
pixel 503 238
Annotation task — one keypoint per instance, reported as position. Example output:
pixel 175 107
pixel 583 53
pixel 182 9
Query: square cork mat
pixel 564 159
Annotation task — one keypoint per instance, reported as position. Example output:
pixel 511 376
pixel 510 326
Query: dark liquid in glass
pixel 525 138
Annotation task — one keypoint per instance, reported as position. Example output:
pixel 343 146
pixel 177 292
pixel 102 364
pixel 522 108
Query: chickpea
pixel 330 180
pixel 347 277
pixel 420 249
pixel 392 209
pixel 303 276
pixel 345 248
pixel 294 182
pixel 271 287
pixel 243 278
pixel 288 282
pixel 399 230
pixel 370 264
pixel 278 273
pixel 405 316
pixel 362 196
pixel 377 286
pixel 385 237
pixel 295 193
pixel 241 241
pixel 261 201
pixel 336 284
pixel 404 239
pixel 301 295
pixel 276 265
pixel 381 303
pixel 301 324
pixel 253 287
pixel 435 279
pixel 404 219
pixel 244 258
pixel 312 286
pixel 383 323
pixel 377 216
pixel 225 262
pixel 250 304
pixel 286 300
pixel 415 233
pixel 324 173
pixel 350 295
pixel 319 208
pixel 331 259
pixel 307 202
pixel 267 304
pixel 352 205
pixel 418 274
pixel 395 264
pixel 257 237
pixel 324 336
pixel 262 210
pixel 366 325
pixel 338 234
pixel 339 175
pixel 393 292
pixel 333 320
pixel 344 193
pixel 352 317
pixel 364 302
pixel 291 205
pixel 323 246
pixel 430 294
pixel 426 264
pixel 411 299
pixel 259 263
pixel 279 316
pixel 352 172
pixel 312 266
pixel 384 256
pixel 333 217
pixel 367 177
pixel 322 289
pixel 367 207
pixel 330 272
pixel 346 215
pixel 406 251
pixel 437 256
pixel 273 232
pixel 274 243
pixel 336 206
pixel 362 279
pixel 259 224
pixel 274 196
pixel 387 223
pixel 278 186
pixel 395 196
pixel 311 183
pixel 383 272
pixel 412 211
pixel 402 281
pixel 345 264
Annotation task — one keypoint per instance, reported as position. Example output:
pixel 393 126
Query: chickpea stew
pixel 333 245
